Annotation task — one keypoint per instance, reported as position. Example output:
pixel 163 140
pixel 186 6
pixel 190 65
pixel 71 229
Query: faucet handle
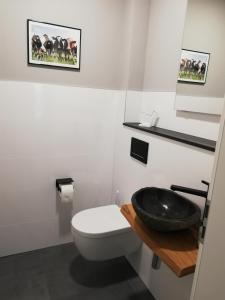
pixel 205 182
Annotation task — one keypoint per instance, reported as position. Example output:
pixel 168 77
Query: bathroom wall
pixel 169 162
pixel 103 40
pixel 206 126
pixel 53 129
pixel 204 31
pixel 48 132
pixel 164 40
pixel 162 55
pixel 58 123
pixel 137 30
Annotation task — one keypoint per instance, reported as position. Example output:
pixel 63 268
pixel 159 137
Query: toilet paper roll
pixel 67 193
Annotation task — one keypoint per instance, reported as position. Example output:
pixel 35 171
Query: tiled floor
pixel 60 273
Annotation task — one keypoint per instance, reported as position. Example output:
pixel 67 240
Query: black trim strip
pixel 192 140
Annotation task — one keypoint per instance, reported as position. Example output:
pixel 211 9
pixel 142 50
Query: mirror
pixel 201 79
pixel 156 31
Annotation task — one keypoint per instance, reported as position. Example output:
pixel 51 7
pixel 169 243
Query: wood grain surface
pixel 178 250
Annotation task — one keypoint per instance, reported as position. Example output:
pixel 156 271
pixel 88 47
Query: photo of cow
pixel 53 45
pixel 193 66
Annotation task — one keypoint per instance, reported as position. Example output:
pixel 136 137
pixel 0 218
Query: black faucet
pixel 191 191
pixel 199 193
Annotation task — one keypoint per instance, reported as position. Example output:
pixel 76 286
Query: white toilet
pixel 103 233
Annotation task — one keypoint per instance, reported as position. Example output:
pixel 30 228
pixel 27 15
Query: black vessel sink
pixel 164 210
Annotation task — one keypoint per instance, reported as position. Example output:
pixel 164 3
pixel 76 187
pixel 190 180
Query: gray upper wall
pixel 154 39
pixel 166 23
pixel 137 33
pixel 125 43
pixel 104 41
pixel 205 32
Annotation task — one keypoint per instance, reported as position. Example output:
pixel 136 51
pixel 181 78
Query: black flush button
pixel 139 150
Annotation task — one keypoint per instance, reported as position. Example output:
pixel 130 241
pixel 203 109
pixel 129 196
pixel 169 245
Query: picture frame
pixel 193 66
pixel 52 45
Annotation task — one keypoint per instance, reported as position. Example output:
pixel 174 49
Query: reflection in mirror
pixel 157 30
pixel 201 80
pixel 138 40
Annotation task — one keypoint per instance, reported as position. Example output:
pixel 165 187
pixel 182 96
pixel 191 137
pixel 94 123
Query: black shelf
pixel 188 139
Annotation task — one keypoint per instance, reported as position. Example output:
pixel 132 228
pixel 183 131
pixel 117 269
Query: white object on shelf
pixel 149 120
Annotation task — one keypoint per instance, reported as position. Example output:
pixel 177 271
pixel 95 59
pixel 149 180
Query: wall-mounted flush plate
pixel 139 150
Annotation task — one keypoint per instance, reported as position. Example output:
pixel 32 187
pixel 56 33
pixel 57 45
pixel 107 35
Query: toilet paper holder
pixel 63 181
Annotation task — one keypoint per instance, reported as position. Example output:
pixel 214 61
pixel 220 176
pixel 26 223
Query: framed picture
pixel 53 45
pixel 193 66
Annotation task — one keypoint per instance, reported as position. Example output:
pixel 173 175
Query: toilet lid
pixel 100 221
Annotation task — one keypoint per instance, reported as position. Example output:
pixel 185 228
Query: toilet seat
pixel 100 222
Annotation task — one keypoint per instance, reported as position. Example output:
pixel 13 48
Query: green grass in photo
pixel 191 76
pixel 54 59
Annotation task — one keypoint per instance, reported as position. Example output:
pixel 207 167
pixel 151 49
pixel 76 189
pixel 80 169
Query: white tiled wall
pixel 169 162
pixel 48 132
pixel 202 125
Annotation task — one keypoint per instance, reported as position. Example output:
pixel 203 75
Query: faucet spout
pixel 187 190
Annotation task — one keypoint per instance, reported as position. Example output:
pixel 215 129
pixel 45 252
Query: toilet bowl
pixel 103 233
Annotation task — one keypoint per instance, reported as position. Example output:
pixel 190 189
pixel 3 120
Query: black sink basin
pixel 164 210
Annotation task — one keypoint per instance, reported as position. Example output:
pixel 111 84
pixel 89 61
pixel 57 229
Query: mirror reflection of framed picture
pixel 193 66
pixel 53 45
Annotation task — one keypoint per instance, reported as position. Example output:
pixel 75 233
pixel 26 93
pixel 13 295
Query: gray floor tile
pixel 100 274
pixel 7 265
pixel 98 295
pixel 28 263
pixel 8 286
pixel 60 273
pixel 34 288
pixel 61 284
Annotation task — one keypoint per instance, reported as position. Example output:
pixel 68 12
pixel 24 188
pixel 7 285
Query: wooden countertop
pixel 178 250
